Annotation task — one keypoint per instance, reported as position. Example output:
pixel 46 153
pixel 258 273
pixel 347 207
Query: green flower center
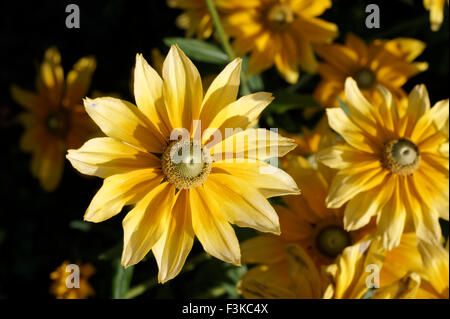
pixel 280 15
pixel 57 122
pixel 332 240
pixel 401 156
pixel 364 78
pixel 185 164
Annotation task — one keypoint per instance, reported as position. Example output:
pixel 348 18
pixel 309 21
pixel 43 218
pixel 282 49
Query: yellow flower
pixel 304 221
pixel 389 63
pixel 63 281
pixel 54 119
pixel 197 193
pixel 419 265
pixel 436 8
pixel 278 32
pixel 394 164
pixel 195 19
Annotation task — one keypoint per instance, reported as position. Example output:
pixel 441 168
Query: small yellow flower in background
pixel 436 8
pixel 394 164
pixel 278 32
pixel 304 221
pixel 389 63
pixel 195 19
pixel 62 282
pixel 202 193
pixel 55 119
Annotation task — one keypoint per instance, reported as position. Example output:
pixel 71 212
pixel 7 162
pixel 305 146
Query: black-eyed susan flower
pixel 55 119
pixel 436 8
pixel 394 164
pixel 193 186
pixel 195 19
pixel 389 63
pixel 280 33
pixel 72 282
pixel 304 221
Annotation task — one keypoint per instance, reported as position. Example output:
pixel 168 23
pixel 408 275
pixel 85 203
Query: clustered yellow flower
pixel 72 283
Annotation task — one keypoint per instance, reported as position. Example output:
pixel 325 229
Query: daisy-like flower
pixel 389 63
pixel 195 19
pixel 71 283
pixel 394 164
pixel 436 8
pixel 55 119
pixel 280 32
pixel 305 221
pixel 183 187
pixel 416 267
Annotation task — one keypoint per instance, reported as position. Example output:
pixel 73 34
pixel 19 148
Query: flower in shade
pixel 436 8
pixel 280 33
pixel 55 119
pixel 195 19
pixel 67 285
pixel 389 63
pixel 394 164
pixel 305 221
pixel 183 187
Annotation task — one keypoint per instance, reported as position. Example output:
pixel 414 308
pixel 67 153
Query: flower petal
pixel 262 249
pixel 79 80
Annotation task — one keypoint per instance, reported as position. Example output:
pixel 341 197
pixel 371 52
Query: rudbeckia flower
pixel 436 8
pixel 416 267
pixel 71 283
pixel 278 32
pixel 394 164
pixel 195 19
pixel 55 119
pixel 184 187
pixel 389 63
pixel 305 221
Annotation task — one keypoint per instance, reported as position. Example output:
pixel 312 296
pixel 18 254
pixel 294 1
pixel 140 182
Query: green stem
pixel 225 42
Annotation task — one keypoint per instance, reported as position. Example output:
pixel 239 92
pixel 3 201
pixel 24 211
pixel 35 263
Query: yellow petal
pixel 79 80
pixel 343 157
pixel 23 97
pixel 172 249
pixel 146 223
pixel 122 120
pixel 120 190
pixel 405 288
pixel 239 114
pixel 253 144
pixel 212 229
pixel 436 266
pixel 269 180
pixel 242 204
pixel 105 156
pixel 48 165
pixel 148 92
pixel 222 91
pixel 51 80
pixel 182 89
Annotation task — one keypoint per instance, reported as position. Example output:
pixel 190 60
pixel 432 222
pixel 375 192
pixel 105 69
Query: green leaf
pixel 80 225
pixel 344 106
pixel 111 253
pixel 286 101
pixel 121 280
pixel 199 50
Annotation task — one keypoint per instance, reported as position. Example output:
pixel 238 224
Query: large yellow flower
pixel 394 164
pixel 63 276
pixel 185 187
pixel 280 32
pixel 305 221
pixel 195 19
pixel 436 8
pixel 55 119
pixel 389 63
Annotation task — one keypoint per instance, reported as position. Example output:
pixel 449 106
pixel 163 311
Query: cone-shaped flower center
pixel 57 122
pixel 401 156
pixel 185 164
pixel 332 240
pixel 280 15
pixel 365 78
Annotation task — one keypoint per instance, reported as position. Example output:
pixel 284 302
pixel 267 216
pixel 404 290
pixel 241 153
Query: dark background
pixel 37 232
